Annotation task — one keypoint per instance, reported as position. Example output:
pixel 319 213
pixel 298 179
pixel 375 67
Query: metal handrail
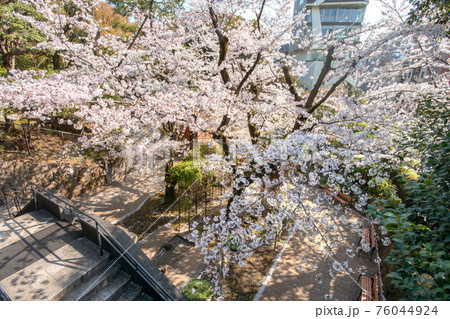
pixel 78 213
pixel 15 198
pixel 4 295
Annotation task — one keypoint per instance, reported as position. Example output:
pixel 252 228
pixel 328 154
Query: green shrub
pixel 420 226
pixel 198 290
pixel 184 173
pixel 205 149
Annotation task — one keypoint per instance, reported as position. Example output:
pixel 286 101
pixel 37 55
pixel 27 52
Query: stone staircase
pixel 44 258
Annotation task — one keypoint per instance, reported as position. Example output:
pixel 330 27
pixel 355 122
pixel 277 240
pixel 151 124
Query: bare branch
pixel 140 29
pixel 330 91
pixel 249 72
pixel 290 82
pixel 258 17
pixel 323 73
pixel 223 40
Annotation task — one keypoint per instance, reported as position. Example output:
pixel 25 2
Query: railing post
pixel 99 238
pixel 16 201
pixel 26 140
pixel 6 202
pixel 34 197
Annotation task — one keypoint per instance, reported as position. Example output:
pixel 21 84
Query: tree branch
pixel 223 40
pixel 258 17
pixel 290 82
pixel 323 73
pixel 330 91
pixel 140 29
pixel 313 94
pixel 249 72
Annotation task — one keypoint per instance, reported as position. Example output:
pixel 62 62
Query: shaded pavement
pixel 305 271
pixel 115 201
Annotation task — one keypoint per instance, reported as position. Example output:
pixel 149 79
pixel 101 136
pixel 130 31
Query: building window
pixel 341 15
pixel 360 15
pixel 327 29
pixel 422 74
pixel 409 76
pixel 308 16
pixel 348 15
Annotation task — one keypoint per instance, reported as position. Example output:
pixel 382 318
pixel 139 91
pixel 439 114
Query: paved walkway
pixel 303 270
pixel 3 213
pixel 120 199
pixel 115 201
pixel 190 261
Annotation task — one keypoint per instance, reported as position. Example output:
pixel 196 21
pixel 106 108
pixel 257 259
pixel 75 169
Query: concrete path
pixel 188 267
pixel 113 202
pixel 304 270
pixel 3 213
pixel 153 242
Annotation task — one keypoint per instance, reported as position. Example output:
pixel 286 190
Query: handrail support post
pixel 99 239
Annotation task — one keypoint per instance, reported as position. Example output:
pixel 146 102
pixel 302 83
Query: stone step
pixel 90 286
pixel 55 275
pixel 144 297
pixel 17 228
pixel 30 249
pixel 130 293
pixel 113 288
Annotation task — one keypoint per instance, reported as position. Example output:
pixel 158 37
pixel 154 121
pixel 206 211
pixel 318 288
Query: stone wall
pixel 68 180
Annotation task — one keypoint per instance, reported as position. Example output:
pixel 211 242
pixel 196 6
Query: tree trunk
pixel 9 61
pixel 170 182
pixel 57 61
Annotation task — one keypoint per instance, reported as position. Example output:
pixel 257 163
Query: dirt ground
pixel 44 147
pixel 243 283
pixel 174 251
pixel 147 219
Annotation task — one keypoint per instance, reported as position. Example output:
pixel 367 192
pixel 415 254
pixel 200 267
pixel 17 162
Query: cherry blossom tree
pixel 218 67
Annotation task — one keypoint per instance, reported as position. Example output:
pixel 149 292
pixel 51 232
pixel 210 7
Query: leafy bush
pixel 184 173
pixel 198 290
pixel 205 149
pixel 384 189
pixel 420 227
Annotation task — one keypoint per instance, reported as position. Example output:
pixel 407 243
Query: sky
pixel 373 11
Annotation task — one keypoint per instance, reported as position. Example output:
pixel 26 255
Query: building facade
pixel 343 17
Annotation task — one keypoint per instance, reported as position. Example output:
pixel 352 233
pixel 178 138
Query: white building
pixel 324 16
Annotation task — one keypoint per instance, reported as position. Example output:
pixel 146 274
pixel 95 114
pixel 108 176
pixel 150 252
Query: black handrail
pixel 106 235
pixel 4 295
pixel 16 198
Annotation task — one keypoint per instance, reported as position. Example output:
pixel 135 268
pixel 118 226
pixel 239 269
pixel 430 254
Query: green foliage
pixel 205 149
pixel 198 290
pixel 184 173
pixel 35 60
pixel 17 36
pixel 231 244
pixel 385 189
pixel 426 8
pixel 420 227
pixel 161 9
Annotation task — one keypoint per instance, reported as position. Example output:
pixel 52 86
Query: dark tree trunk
pixel 57 61
pixel 170 180
pixel 9 61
